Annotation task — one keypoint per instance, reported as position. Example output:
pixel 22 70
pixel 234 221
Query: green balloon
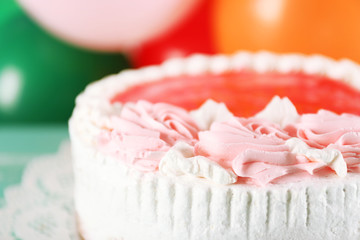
pixel 8 8
pixel 41 76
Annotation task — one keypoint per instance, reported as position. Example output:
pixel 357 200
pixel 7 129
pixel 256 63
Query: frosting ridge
pixel 275 146
pixel 143 132
pixel 329 130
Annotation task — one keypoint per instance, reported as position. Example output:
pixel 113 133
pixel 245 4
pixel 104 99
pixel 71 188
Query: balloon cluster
pixel 44 75
pixel 152 31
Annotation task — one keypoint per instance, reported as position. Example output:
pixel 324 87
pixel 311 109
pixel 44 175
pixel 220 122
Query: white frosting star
pixel 209 113
pixel 181 160
pixel 280 111
pixel 331 157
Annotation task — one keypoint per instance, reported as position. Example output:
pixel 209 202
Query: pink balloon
pixel 108 25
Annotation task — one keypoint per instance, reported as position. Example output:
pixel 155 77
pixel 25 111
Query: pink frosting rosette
pixel 326 129
pixel 255 150
pixel 143 132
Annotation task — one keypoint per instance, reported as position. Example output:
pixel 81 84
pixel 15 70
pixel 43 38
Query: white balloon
pixel 108 25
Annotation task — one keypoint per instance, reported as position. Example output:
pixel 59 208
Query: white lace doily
pixel 41 207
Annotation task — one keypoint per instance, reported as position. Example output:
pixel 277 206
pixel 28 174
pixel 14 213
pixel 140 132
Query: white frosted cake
pixel 222 147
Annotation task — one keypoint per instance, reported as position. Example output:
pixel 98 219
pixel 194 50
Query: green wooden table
pixel 20 143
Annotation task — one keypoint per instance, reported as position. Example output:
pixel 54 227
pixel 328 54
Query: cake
pixel 247 146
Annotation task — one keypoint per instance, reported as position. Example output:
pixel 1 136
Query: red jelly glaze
pixel 246 92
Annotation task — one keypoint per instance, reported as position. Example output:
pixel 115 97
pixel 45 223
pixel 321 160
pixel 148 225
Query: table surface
pixel 19 144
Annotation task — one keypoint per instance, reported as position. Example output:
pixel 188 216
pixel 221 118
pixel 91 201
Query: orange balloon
pixel 329 27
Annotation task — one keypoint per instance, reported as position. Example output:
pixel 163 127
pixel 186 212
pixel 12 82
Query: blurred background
pixel 50 50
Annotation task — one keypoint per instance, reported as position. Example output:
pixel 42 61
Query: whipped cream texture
pixel 275 146
pixel 331 157
pixel 181 160
pixel 279 111
pixel 209 113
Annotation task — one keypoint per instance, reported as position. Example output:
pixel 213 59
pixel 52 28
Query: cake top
pixel 276 145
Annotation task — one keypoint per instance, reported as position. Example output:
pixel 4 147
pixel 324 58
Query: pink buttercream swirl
pixel 326 129
pixel 254 149
pixel 143 132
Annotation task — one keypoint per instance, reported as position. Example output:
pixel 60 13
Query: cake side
pixel 114 201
